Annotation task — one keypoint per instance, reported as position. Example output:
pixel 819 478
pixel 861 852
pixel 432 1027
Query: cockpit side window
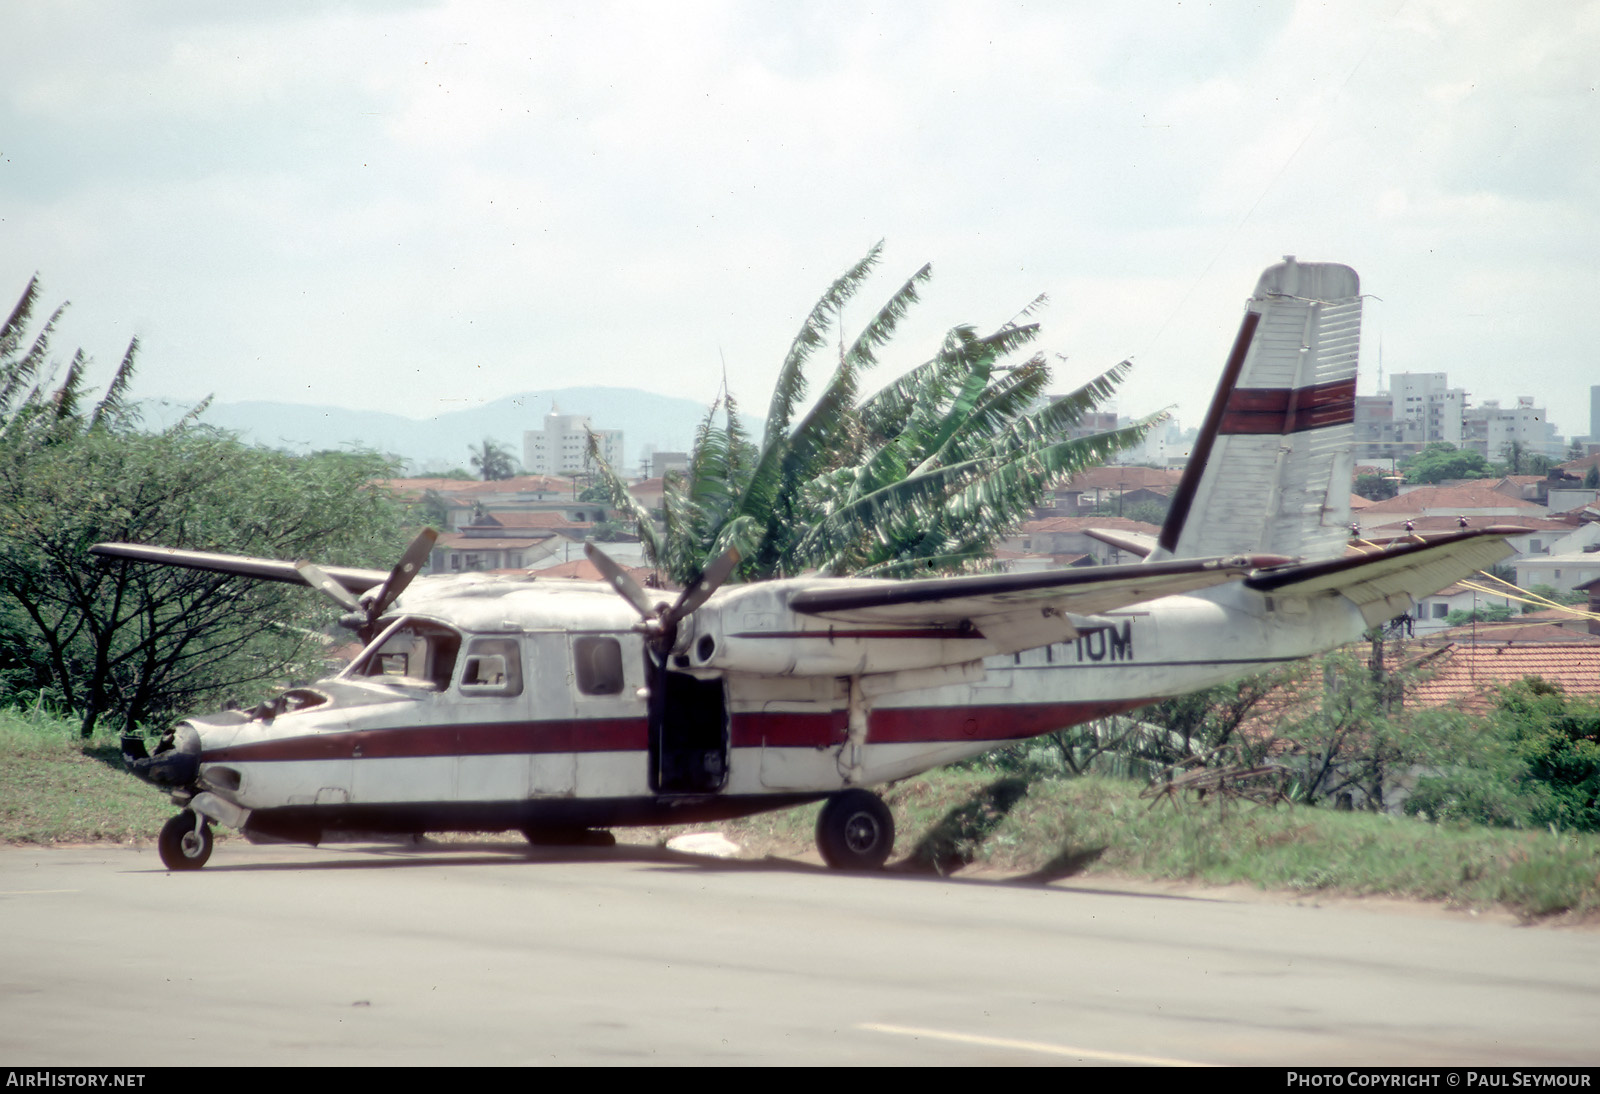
pixel 415 653
pixel 493 666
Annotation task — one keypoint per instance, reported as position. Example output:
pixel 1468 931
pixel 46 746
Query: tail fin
pixel 1271 469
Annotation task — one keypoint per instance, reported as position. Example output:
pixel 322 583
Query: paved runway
pixel 489 953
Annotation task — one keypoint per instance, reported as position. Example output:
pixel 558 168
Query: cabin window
pixel 493 667
pixel 599 665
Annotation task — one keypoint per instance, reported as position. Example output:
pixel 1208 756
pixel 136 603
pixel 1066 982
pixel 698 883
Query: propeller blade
pixel 621 580
pixel 698 593
pixel 406 569
pixel 318 578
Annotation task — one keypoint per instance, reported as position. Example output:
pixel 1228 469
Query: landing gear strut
pixel 185 842
pixel 855 831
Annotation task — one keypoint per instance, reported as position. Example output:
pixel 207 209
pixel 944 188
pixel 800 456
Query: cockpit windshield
pixel 412 653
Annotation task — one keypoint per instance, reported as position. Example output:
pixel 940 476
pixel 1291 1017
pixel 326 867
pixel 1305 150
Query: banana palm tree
pixel 926 475
pixel 26 403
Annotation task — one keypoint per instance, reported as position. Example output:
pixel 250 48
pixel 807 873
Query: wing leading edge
pixel 1021 611
pixel 260 569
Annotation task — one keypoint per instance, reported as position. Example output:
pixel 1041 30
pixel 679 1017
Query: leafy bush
pixel 1498 613
pixel 1557 739
pixel 1472 796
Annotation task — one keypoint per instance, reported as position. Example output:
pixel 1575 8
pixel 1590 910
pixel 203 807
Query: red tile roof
pixel 1458 498
pixel 415 488
pixel 1466 675
pixel 583 570
pixel 1519 629
pixel 1112 477
pixel 1078 524
pixel 485 543
pixel 547 518
pixel 1448 524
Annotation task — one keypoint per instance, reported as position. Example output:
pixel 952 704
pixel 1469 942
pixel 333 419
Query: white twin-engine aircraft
pixel 563 708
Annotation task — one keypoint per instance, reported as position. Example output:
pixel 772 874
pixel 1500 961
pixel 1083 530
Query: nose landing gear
pixel 185 841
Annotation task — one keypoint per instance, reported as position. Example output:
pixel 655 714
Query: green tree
pixel 1557 738
pixel 1149 510
pixel 925 475
pixel 493 461
pixel 1591 480
pixel 1534 761
pixel 1550 592
pixel 1495 613
pixel 1441 461
pixel 106 637
pixel 1210 723
pixel 1341 734
pixel 434 509
pixel 1375 487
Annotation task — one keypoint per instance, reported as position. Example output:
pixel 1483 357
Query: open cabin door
pixel 688 733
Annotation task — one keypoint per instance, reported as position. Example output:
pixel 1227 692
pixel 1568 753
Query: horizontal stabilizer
pixel 1135 543
pixel 1384 584
pixel 261 569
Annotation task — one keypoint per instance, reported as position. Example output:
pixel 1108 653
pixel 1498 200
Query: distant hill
pixel 441 442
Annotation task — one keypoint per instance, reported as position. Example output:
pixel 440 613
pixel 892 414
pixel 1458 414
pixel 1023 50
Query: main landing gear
pixel 185 842
pixel 855 831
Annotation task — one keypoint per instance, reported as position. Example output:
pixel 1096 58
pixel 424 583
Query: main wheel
pixel 855 831
pixel 184 846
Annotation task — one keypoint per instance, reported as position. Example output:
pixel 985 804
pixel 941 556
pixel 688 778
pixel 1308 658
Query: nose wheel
pixel 855 831
pixel 185 842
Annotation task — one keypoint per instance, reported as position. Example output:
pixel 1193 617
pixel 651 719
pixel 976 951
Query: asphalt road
pixel 489 953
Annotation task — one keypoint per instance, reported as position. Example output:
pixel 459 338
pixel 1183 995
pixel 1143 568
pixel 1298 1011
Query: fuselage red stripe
pixel 841 634
pixel 777 729
pixel 475 739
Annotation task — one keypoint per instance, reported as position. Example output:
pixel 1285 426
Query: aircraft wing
pixel 1021 611
pixel 1384 584
pixel 261 569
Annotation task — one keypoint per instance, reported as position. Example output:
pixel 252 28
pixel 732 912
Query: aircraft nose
pixel 176 761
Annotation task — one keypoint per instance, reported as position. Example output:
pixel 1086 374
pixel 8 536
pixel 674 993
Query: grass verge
pixel 56 788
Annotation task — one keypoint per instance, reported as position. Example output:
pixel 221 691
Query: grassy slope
pixel 1091 826
pixel 54 789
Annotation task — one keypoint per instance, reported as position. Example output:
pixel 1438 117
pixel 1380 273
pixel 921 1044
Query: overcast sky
pixel 427 206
